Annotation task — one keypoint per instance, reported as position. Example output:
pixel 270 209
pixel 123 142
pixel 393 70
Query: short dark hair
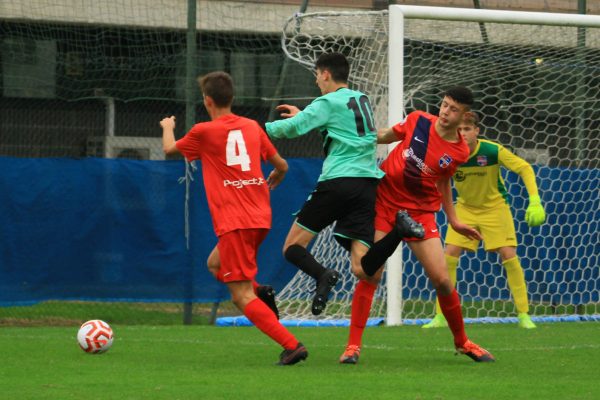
pixel 336 64
pixel 219 86
pixel 460 94
pixel 472 118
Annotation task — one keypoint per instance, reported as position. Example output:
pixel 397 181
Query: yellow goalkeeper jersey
pixel 478 181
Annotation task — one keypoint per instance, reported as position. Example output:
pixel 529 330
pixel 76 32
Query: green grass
pixel 68 313
pixel 555 361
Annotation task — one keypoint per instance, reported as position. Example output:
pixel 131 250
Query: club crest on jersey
pixel 482 161
pixel 445 160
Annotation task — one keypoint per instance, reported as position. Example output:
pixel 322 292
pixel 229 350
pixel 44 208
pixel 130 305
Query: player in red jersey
pixel 231 149
pixel 417 180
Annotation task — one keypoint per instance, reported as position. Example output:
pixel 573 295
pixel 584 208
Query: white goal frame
pixel 396 111
pixel 373 38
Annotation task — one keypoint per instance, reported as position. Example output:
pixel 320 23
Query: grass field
pixel 555 361
pixel 70 313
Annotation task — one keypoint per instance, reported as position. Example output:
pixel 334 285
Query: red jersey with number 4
pixel 415 165
pixel 231 149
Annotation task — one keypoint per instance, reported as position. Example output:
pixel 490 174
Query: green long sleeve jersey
pixel 345 119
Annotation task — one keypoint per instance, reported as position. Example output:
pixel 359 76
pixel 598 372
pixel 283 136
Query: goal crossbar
pixel 499 16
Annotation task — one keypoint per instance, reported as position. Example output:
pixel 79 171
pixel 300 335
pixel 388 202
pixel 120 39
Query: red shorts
pixel 237 251
pixel 385 218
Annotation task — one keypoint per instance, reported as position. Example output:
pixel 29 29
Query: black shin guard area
pixel 302 259
pixel 380 252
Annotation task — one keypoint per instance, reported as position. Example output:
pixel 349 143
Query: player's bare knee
pixel 241 299
pixel 359 272
pixel 375 279
pixel 284 250
pixel 213 267
pixel 213 263
pixel 360 275
pixel 443 286
pixel 239 303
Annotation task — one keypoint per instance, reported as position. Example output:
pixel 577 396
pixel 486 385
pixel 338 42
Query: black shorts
pixel 350 202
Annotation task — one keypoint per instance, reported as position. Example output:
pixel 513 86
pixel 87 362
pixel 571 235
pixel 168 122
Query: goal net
pixel 537 88
pixel 111 69
pixel 83 79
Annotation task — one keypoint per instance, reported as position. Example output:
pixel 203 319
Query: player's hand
pixel 467 231
pixel 535 214
pixel 287 110
pixel 168 122
pixel 275 178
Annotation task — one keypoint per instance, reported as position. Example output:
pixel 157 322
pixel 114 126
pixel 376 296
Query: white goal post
pixel 398 14
pixel 537 86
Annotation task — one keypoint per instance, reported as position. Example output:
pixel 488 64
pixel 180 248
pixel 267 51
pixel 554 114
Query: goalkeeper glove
pixel 535 214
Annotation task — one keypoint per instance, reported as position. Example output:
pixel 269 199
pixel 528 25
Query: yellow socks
pixel 516 283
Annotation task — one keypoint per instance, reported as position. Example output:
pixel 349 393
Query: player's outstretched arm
pixel 448 204
pixel 287 110
pixel 386 136
pixel 297 122
pixel 279 171
pixel 168 136
pixel 535 214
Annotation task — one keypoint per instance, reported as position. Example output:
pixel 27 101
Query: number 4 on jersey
pixel 235 141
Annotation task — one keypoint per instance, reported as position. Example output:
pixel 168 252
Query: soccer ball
pixel 95 336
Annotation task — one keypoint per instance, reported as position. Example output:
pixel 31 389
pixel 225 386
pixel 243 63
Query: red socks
pixel 450 306
pixel 361 308
pixel 264 319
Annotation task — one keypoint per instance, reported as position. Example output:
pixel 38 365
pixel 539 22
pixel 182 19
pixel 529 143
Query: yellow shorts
pixel 496 225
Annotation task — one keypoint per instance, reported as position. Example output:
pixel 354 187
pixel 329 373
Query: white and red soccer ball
pixel 95 336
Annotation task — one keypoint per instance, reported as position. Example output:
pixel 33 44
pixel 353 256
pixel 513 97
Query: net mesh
pixel 362 37
pixel 536 88
pixel 112 70
pixel 93 79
